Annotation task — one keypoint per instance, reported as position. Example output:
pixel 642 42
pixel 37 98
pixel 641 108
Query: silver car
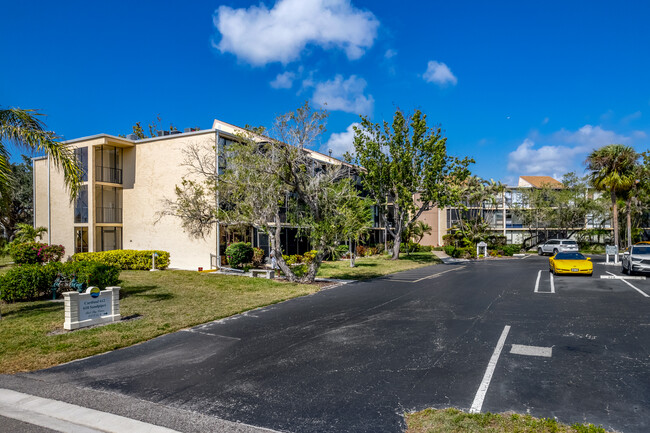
pixel 554 246
pixel 637 259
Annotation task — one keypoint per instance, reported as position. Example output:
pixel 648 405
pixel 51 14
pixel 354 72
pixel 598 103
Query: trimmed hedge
pixel 126 259
pixel 31 282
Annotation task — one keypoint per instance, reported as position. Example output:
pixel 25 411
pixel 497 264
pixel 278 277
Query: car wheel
pixel 555 252
pixel 540 252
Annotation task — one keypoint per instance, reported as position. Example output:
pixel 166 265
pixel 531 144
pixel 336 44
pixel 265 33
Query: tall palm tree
pixel 612 168
pixel 25 129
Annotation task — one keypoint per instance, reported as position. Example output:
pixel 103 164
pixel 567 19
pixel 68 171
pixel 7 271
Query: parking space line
pixel 439 273
pixel 552 284
pixel 539 275
pixel 631 285
pixel 487 378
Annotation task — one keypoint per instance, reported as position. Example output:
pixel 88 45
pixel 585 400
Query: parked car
pixel 554 246
pixel 636 259
pixel 570 263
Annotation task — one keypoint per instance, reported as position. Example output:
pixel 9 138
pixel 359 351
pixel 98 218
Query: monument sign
pixel 92 307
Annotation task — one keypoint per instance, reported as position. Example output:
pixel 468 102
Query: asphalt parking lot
pixel 492 336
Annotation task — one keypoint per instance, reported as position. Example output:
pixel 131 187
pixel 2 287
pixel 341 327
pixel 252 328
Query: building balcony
pixel 108 174
pixel 108 215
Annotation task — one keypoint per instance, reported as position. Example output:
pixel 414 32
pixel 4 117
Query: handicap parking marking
pixel 631 285
pixel 520 349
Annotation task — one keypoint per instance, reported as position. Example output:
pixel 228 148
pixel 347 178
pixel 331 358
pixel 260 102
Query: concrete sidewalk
pixel 70 418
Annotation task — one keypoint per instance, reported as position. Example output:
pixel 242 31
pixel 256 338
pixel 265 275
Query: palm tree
pixel 27 233
pixel 612 169
pixel 25 129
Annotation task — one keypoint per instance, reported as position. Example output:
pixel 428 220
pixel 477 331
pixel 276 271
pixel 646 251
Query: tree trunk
pixel 396 244
pixel 615 219
pixel 629 222
pixel 351 254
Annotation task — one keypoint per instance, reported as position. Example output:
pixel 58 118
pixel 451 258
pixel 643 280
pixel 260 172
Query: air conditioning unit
pixel 131 137
pixel 162 133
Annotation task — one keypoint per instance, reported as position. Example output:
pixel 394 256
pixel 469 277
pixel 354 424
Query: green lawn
pixel 455 421
pixel 165 301
pixel 375 266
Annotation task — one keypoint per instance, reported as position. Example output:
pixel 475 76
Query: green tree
pixel 268 183
pixel 25 129
pixel 612 169
pixel 406 169
pixel 16 202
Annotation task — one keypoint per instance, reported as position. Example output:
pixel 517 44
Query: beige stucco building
pixel 123 196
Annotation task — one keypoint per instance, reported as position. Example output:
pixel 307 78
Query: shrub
pixel 342 251
pixel 509 250
pixel 33 281
pixel 125 259
pixel 309 256
pixel 258 257
pixel 361 250
pixel 35 252
pixel 239 253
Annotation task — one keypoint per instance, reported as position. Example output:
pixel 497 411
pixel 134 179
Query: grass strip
pixel 32 337
pixel 375 266
pixel 454 421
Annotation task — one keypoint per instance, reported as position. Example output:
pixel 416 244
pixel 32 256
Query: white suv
pixel 554 246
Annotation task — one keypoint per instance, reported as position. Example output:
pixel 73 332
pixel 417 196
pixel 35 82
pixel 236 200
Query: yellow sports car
pixel 570 263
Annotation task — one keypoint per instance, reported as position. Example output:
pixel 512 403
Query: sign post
pixel 611 250
pixel 478 249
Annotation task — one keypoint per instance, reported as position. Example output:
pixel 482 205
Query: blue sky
pixel 525 88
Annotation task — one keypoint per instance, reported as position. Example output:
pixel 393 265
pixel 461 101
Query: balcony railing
pixel 108 214
pixel 108 174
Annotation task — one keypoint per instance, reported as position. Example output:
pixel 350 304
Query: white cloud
pixel 590 137
pixel 546 160
pixel 439 73
pixel 259 35
pixel 344 95
pixel 283 80
pixel 390 53
pixel 565 152
pixel 341 142
pixel 545 121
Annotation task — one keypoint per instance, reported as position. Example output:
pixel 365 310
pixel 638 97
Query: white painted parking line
pixel 539 275
pixel 552 284
pixel 635 288
pixel 487 377
pixel 439 273
pixel 620 277
pixel 520 349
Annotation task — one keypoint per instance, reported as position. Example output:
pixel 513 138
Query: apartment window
pixel 108 238
pixel 82 157
pixel 81 205
pixel 81 239
pixel 108 164
pixel 108 204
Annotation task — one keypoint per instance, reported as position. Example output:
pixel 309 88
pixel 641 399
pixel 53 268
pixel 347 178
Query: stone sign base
pixel 93 307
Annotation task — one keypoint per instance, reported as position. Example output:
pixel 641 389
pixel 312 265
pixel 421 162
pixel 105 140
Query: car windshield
pixel 569 256
pixel 641 249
